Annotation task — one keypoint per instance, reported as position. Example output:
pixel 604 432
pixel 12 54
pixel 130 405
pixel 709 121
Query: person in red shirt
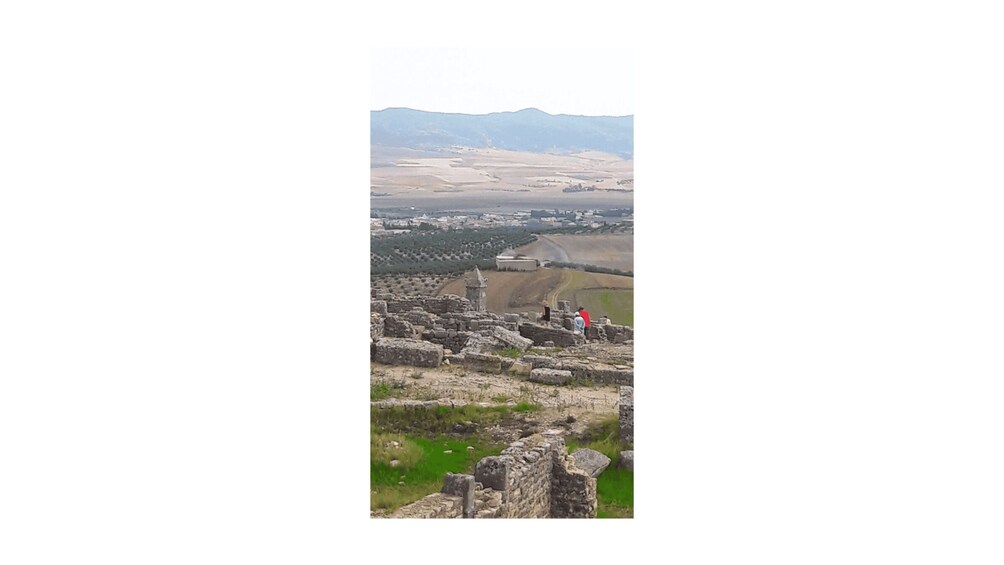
pixel 585 316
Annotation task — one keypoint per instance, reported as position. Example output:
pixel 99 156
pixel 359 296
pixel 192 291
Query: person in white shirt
pixel 579 324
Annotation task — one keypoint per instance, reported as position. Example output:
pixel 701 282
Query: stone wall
pixel 573 491
pixel 532 478
pixel 450 339
pixel 434 304
pixel 523 473
pixel 376 326
pixel 626 415
pixel 419 318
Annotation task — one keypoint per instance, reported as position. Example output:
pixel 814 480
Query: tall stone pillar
pixel 477 290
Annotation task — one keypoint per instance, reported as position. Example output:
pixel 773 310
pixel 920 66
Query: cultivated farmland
pixel 615 251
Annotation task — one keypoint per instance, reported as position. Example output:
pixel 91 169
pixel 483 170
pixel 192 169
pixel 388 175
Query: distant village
pixel 395 222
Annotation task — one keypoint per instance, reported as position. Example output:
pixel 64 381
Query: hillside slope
pixel 525 130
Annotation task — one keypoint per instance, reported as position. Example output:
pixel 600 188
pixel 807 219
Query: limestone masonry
pixel 532 478
pixel 626 418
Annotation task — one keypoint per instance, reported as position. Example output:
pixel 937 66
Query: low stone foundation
pixel 550 376
pixel 599 372
pixel 399 351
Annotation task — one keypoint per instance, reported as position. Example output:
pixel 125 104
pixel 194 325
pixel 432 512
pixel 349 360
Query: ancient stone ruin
pixel 402 327
pixel 532 478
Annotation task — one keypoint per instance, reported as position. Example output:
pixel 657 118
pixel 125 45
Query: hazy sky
pixel 590 82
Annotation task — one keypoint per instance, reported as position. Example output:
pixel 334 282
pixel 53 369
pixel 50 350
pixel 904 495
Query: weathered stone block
pixel 550 376
pixel 591 461
pixel 520 368
pixel 626 460
pixel 379 306
pixel 462 486
pixel 394 326
pixel 376 326
pixel 542 361
pixel 400 351
pixel 511 338
pixel 482 363
pixel 492 472
pixel 541 335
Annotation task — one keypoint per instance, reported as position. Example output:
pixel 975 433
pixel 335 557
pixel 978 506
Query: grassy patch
pixel 615 493
pixel 424 475
pixel 617 304
pixel 603 436
pixel 385 448
pixel 385 389
pixel 526 407
pixel 512 352
pixel 614 487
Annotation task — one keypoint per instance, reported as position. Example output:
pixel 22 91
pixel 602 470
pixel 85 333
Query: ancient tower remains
pixel 477 290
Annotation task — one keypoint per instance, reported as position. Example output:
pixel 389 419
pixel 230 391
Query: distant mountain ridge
pixel 525 130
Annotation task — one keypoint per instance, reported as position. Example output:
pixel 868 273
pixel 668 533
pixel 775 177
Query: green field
pixel 616 304
pixel 422 464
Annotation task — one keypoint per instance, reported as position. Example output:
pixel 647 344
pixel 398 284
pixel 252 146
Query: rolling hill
pixel 526 130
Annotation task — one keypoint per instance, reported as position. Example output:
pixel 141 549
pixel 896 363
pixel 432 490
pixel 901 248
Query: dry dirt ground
pixel 585 404
pixel 615 251
pixel 466 178
pixel 528 291
pixel 513 291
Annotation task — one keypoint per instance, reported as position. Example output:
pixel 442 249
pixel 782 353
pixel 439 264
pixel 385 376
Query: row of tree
pixel 443 252
pixel 590 268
